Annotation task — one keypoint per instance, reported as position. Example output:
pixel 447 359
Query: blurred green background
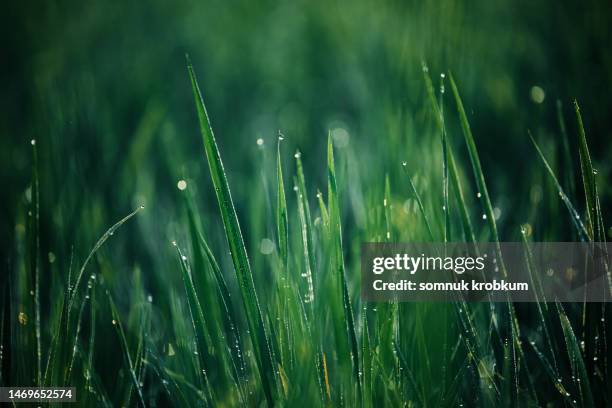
pixel 103 89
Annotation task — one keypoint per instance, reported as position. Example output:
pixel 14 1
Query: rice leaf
pixel 588 175
pixel 198 324
pixel 576 360
pixel 282 227
pixel 575 217
pixel 338 261
pixel 259 337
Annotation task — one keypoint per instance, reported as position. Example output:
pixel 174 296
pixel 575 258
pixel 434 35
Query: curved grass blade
pixel 259 337
pixel 34 255
pixel 75 289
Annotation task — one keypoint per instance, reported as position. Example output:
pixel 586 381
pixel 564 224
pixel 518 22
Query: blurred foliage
pixel 103 89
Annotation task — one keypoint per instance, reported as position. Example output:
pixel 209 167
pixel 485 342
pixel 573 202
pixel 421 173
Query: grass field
pixel 181 233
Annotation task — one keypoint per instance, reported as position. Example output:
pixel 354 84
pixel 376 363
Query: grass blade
pixel 282 227
pixel 576 360
pixel 417 196
pixel 197 321
pixel 125 348
pixel 588 175
pixel 34 256
pixel 573 213
pixel 238 252
pixel 338 261
pixel 477 170
pixel 74 290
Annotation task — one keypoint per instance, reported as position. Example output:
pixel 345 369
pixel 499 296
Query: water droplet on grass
pixel 182 185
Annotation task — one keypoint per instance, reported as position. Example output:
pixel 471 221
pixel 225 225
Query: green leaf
pixel 242 267
pixel 338 261
pixel 282 227
pixel 588 175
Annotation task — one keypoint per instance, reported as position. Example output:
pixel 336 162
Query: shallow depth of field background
pixel 103 89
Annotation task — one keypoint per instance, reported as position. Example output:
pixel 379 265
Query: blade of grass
pixel 306 224
pixel 417 196
pixel 75 289
pixel 116 322
pixel 575 217
pixel 238 252
pixel 588 175
pixel 34 257
pixel 568 165
pixel 477 170
pixel 451 166
pixel 282 223
pixel 230 319
pixel 198 324
pixel 576 360
pixel 338 260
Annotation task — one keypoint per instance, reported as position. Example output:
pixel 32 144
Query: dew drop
pixel 260 142
pixel 182 185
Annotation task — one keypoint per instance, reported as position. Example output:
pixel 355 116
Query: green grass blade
pixel 451 172
pixel 229 317
pixel 568 164
pixel 259 337
pixel 576 360
pixel 417 196
pixel 306 225
pixel 338 261
pixel 575 217
pixel 387 208
pixel 125 348
pixel 477 169
pixel 34 257
pixel 74 290
pixel 198 324
pixel 282 223
pixel 588 175
pixel 323 209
